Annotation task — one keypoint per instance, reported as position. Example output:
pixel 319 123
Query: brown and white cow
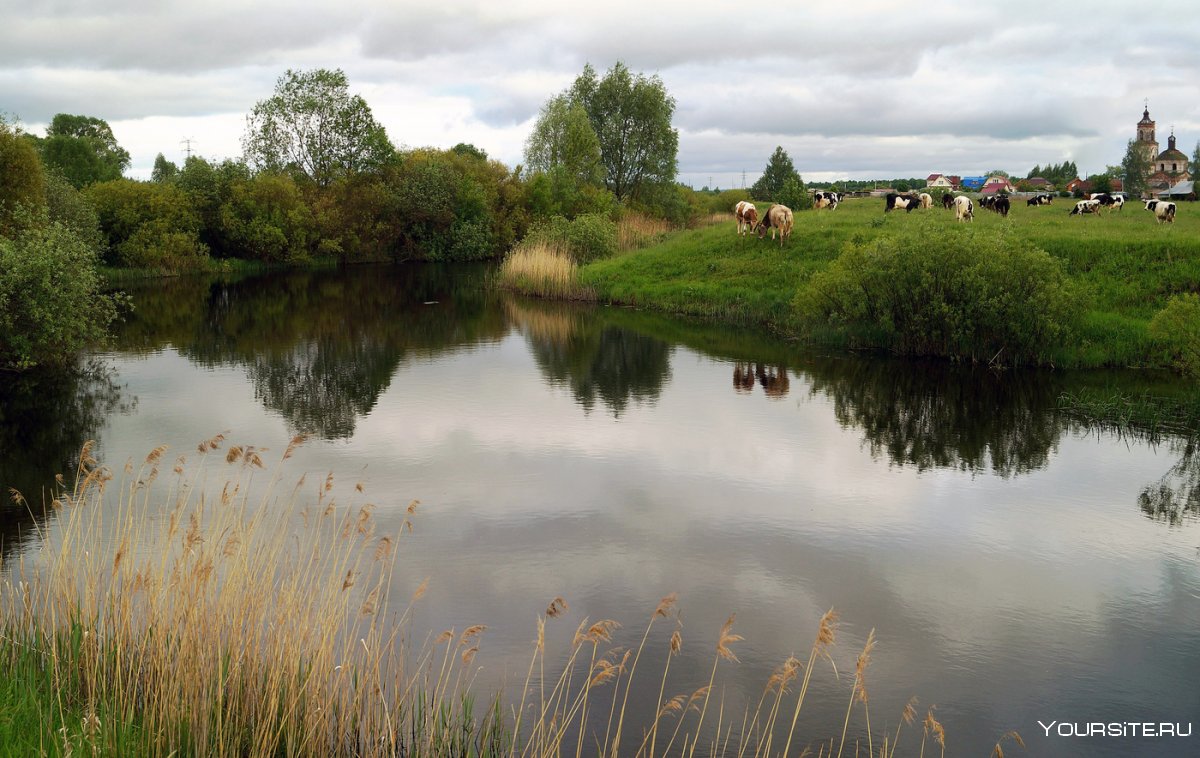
pixel 747 217
pixel 777 217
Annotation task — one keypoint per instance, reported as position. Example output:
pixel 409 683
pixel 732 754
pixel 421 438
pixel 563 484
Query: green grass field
pixel 1126 264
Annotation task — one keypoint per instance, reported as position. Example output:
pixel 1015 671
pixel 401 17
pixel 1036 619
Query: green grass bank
pixel 1120 271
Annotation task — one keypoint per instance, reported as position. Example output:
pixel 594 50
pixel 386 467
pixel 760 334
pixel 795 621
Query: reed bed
pixel 543 269
pixel 171 619
pixel 636 230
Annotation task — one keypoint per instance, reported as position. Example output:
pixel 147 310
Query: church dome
pixel 1171 154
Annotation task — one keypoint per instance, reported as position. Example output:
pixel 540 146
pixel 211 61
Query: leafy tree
pixel 631 116
pixel 563 137
pixel 1135 169
pixel 164 170
pixel 84 149
pixel 67 206
pixel 779 169
pixel 794 195
pixel 1100 183
pixel 998 172
pixel 312 124
pixel 266 219
pixel 467 149
pixel 208 186
pixel 22 181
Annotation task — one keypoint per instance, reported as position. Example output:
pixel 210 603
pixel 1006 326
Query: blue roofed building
pixel 973 182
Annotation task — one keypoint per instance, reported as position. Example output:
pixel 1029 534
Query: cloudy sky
pixel 860 90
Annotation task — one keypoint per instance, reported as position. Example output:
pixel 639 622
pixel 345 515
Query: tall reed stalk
pixel 157 615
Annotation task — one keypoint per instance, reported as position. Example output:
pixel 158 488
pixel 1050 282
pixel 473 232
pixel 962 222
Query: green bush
pixel 724 202
pixel 1176 331
pixel 266 219
pixel 148 225
pixel 589 237
pixel 50 301
pixel 973 293
pixel 70 208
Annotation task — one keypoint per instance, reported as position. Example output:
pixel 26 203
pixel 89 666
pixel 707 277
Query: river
pixel 1016 564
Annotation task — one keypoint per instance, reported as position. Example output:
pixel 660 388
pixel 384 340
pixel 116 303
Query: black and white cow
pixel 1043 199
pixel 825 199
pixel 963 209
pixel 1162 210
pixel 1085 206
pixel 948 201
pixel 998 203
pixel 905 203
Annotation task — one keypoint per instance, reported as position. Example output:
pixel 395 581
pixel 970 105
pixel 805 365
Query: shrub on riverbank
pixel 585 238
pixel 148 225
pixel 50 301
pixel 1176 330
pixel 962 292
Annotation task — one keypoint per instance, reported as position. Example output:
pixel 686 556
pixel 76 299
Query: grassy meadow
pixel 1124 266
pixel 155 613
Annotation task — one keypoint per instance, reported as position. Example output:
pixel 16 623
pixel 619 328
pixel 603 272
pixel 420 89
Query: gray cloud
pixel 863 88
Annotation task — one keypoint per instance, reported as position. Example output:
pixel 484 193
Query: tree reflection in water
pixel 1176 497
pixel 933 415
pixel 596 361
pixel 320 348
pixel 45 417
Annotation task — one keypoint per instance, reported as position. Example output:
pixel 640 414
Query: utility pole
pixel 187 142
pixel 743 178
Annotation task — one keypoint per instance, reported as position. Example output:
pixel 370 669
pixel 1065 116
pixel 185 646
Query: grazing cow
pixel 947 201
pixel 747 217
pixel 1000 204
pixel 1085 206
pixel 901 202
pixel 1112 202
pixel 1042 199
pixel 926 200
pixel 963 209
pixel 1162 210
pixel 777 217
pixel 826 199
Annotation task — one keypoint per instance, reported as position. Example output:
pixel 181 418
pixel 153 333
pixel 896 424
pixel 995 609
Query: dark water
pixel 1016 565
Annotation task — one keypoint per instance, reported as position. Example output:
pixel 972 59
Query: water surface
pixel 1016 565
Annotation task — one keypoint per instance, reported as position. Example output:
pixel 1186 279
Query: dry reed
pixel 543 269
pixel 232 625
pixel 636 230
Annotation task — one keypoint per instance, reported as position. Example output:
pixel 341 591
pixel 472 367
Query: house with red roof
pixel 998 185
pixel 938 180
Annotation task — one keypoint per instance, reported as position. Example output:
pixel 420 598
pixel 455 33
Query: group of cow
pixel 1163 210
pixel 780 216
pixel 964 209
